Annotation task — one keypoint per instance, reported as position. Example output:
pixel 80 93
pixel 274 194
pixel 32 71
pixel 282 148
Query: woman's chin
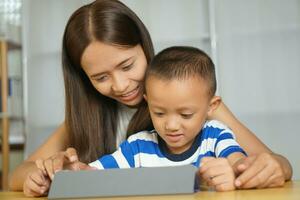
pixel 133 103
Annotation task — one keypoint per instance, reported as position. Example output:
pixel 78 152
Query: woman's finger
pixel 245 163
pixel 40 164
pixel 58 162
pixel 38 178
pixel 249 173
pixel 31 187
pixel 277 179
pixel 49 168
pixel 71 154
pixel 259 179
pixel 83 166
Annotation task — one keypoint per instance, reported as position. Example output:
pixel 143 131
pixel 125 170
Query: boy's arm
pixel 123 157
pixel 235 159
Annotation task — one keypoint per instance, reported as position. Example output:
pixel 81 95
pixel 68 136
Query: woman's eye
pixel 186 116
pixel 101 78
pixel 127 67
pixel 158 114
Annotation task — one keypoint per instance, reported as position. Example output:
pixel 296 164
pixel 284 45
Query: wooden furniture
pixel 7 118
pixel 290 191
pixel 4 118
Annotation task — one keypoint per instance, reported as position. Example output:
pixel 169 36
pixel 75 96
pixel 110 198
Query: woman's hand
pixel 259 171
pixel 36 184
pixel 62 160
pixel 217 172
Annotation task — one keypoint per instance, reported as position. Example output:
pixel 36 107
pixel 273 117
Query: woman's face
pixel 116 72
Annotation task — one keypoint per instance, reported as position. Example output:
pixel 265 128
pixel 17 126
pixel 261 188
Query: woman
pixel 106 49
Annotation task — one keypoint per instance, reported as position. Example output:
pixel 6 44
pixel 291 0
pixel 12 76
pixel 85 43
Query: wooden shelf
pixel 4 120
pixel 11 45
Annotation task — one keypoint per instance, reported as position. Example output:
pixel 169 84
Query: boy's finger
pixel 207 159
pixel 212 163
pixel 212 172
pixel 218 180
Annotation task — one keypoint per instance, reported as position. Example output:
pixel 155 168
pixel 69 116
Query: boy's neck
pixel 179 156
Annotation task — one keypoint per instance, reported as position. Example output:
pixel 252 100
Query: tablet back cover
pixel 123 182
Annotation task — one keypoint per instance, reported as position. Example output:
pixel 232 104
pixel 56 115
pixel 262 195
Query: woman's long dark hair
pixel 91 119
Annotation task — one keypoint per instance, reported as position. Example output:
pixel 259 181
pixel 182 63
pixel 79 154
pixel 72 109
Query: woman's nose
pixel 120 84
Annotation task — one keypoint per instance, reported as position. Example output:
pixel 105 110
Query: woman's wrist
pixel 285 165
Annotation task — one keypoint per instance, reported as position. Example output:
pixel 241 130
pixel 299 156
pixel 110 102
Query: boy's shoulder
pixel 216 128
pixel 144 136
pixel 215 124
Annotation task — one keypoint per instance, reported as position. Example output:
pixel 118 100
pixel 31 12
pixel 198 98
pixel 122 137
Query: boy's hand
pixel 217 172
pixel 36 184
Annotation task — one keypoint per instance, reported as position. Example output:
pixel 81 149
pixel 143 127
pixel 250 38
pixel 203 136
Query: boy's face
pixel 178 110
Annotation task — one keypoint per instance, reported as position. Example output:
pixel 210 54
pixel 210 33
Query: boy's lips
pixel 174 137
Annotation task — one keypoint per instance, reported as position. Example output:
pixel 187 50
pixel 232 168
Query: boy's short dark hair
pixel 182 62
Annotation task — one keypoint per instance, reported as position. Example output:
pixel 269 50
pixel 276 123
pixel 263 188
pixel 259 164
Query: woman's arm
pixel 58 141
pixel 261 153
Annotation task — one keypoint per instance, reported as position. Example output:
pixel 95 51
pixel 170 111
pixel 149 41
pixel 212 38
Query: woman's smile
pixel 129 96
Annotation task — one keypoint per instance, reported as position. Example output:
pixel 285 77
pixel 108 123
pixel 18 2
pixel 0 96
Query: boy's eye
pixel 187 116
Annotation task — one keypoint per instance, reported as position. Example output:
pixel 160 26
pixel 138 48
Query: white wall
pixel 43 29
pixel 43 26
pixel 259 68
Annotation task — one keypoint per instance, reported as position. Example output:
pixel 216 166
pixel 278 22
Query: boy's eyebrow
pixel 119 64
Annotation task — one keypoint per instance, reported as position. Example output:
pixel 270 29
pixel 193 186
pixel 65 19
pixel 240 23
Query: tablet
pixel 123 182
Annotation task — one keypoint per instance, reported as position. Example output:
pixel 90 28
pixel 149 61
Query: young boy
pixel 180 87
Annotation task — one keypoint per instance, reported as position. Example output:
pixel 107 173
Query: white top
pixel 125 116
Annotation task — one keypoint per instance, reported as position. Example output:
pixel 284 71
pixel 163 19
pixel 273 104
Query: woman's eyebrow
pixel 119 64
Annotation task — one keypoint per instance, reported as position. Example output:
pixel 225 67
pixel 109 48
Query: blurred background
pixel 254 44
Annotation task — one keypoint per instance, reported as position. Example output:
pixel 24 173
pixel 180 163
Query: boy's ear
pixel 145 96
pixel 214 103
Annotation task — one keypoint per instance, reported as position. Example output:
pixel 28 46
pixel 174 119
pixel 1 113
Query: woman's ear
pixel 145 96
pixel 213 104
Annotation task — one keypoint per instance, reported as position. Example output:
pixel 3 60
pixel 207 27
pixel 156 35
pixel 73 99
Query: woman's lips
pixel 130 95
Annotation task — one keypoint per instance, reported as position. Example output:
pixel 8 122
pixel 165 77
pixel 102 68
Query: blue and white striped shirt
pixel 147 149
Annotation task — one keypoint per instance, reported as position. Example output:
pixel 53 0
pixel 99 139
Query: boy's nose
pixel 172 125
